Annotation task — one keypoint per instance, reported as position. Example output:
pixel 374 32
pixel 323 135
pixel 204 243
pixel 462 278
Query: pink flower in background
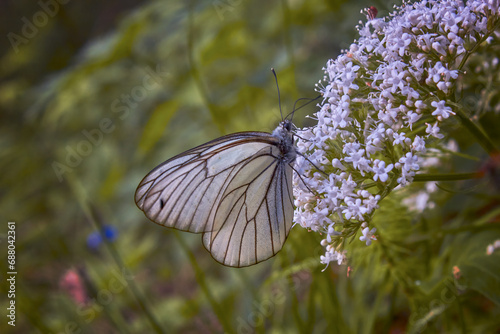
pixel 72 284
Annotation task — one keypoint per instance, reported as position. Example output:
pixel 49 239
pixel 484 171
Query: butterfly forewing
pixel 183 191
pixel 235 189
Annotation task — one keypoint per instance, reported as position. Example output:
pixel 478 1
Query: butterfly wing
pixel 255 212
pixel 185 192
pixel 235 189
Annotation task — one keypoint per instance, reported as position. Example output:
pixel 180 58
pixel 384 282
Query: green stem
pixel 92 215
pixel 471 51
pixel 299 323
pixel 141 300
pixel 484 223
pixel 476 131
pixel 482 138
pixel 195 71
pixel 461 155
pixel 399 276
pixel 288 41
pixel 446 177
pixel 200 278
pixel 470 228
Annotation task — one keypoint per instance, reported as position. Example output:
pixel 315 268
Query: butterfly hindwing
pixel 255 212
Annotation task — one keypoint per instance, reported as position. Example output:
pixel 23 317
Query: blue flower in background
pixel 95 238
pixel 110 232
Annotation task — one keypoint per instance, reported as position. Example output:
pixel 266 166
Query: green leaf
pixel 482 274
pixel 480 271
pixel 156 124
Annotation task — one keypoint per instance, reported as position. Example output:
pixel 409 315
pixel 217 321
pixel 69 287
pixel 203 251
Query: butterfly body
pixel 236 190
pixel 284 134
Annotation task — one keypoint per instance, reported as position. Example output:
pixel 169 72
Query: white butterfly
pixel 236 190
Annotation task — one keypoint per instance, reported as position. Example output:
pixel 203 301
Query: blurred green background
pixel 97 94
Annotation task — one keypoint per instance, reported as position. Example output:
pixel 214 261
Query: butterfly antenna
pixel 278 87
pixel 305 104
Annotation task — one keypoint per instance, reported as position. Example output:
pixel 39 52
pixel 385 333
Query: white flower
pixel 341 257
pixel 441 110
pixel 406 177
pixel 452 146
pixel 433 130
pixel 331 231
pixel 490 249
pixel 368 235
pixel 358 160
pixel 399 138
pixel 354 209
pixel 418 144
pixel 371 203
pixel 381 171
pixel 410 162
pixel 351 148
pixel 419 104
pixel 347 187
pixel 411 118
pixel 332 255
pixel 440 47
pixel 340 119
pixel 397 80
pixel 337 164
pixel 321 215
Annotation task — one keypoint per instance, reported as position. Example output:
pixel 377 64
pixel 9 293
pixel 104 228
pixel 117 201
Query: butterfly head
pixel 284 131
pixel 285 136
pixel 287 125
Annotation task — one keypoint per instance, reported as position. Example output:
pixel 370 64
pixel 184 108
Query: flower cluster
pixel 384 100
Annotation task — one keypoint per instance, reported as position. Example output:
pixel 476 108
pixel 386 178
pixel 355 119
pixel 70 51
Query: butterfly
pixel 236 190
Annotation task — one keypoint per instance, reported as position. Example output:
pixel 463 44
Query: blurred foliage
pixel 101 94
